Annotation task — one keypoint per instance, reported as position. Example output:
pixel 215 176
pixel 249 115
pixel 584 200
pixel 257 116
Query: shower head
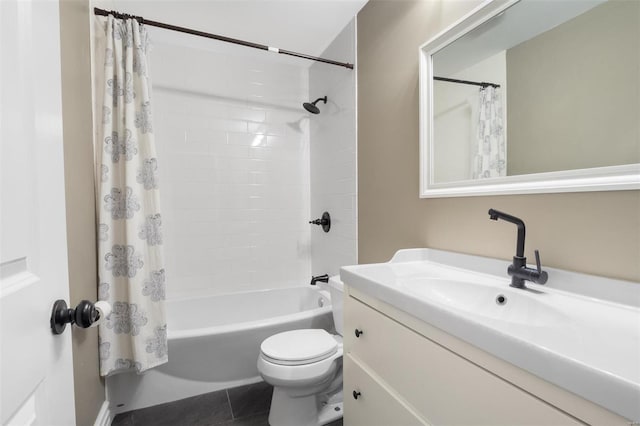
pixel 312 108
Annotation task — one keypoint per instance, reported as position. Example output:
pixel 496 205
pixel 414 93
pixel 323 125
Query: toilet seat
pixel 301 375
pixel 299 347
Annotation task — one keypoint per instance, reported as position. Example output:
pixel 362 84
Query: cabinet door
pixel 441 386
pixel 374 405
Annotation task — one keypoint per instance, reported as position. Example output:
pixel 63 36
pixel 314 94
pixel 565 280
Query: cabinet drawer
pixel 441 386
pixel 374 406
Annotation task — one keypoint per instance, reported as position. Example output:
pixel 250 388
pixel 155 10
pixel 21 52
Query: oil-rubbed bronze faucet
pixel 319 278
pixel 518 270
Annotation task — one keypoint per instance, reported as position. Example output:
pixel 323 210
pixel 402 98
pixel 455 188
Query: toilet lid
pixel 299 346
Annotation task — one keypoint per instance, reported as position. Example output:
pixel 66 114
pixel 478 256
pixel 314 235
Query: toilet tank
pixel 336 289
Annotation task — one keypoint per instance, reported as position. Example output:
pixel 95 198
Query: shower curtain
pixel 489 147
pixel 130 258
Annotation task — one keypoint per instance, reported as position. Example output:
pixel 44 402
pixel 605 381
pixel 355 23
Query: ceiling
pixel 304 26
pixel 517 24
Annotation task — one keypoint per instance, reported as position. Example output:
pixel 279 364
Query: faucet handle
pixel 538 265
pixel 542 275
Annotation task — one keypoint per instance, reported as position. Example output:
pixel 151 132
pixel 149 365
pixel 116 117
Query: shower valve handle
pixel 324 221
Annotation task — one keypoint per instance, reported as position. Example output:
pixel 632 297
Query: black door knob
pixel 356 394
pixel 359 332
pixel 84 315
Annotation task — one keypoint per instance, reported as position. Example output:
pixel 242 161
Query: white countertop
pixel 579 332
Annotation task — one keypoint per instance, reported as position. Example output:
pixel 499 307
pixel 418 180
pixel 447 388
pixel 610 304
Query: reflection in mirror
pixel 564 91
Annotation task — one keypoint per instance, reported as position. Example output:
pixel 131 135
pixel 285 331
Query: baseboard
pixel 104 415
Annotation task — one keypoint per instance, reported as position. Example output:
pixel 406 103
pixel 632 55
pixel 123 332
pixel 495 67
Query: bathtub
pixel 214 343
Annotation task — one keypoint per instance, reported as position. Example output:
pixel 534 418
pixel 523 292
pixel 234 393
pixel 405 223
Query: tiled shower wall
pixel 333 157
pixel 233 150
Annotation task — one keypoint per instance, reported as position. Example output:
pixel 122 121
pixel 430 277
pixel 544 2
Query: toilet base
pixel 329 413
pixel 302 411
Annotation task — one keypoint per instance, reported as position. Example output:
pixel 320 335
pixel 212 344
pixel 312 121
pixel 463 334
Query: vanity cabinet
pixel 405 375
pixel 369 402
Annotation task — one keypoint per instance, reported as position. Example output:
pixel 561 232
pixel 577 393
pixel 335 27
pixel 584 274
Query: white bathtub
pixel 214 343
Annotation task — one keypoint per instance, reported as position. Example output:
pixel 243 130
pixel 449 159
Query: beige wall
pixel 597 233
pixel 81 235
pixel 600 126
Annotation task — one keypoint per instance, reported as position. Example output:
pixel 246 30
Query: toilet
pixel 305 369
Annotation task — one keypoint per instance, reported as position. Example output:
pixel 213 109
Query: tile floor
pixel 242 406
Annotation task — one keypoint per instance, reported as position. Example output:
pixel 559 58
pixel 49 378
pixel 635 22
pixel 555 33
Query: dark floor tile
pixel 250 400
pixel 202 410
pixel 123 419
pixel 257 420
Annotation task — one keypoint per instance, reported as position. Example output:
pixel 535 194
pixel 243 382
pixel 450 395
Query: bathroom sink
pixel 579 332
pixel 482 302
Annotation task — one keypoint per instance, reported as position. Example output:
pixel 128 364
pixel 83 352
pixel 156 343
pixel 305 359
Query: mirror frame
pixel 611 178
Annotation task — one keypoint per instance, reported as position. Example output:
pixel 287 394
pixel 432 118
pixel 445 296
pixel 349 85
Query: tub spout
pixel 322 278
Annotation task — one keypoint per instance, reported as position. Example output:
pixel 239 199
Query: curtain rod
pixel 141 20
pixel 473 83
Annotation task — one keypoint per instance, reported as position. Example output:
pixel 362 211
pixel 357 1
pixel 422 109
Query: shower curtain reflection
pixel 489 145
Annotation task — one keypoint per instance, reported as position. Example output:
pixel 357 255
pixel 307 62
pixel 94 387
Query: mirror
pixel 531 96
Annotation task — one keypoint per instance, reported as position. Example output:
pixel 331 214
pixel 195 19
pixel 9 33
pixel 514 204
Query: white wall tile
pixel 234 148
pixel 333 154
pixel 235 180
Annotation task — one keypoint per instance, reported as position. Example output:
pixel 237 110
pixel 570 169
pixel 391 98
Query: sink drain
pixel 501 299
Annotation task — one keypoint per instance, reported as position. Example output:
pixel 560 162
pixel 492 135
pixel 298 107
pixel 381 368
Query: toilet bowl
pixel 305 369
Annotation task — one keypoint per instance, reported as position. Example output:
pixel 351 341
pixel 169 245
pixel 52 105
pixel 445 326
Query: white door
pixel 36 373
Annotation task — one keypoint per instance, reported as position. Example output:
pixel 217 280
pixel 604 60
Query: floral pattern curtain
pixel 490 159
pixel 130 258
